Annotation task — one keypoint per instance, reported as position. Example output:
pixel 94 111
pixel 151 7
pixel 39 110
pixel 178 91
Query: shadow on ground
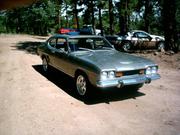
pixel 28 46
pixel 66 83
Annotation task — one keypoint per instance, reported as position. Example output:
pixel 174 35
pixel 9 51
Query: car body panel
pixel 94 61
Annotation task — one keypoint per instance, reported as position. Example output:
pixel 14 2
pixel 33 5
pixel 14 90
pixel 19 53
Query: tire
pixel 161 46
pixel 127 46
pixel 45 65
pixel 82 85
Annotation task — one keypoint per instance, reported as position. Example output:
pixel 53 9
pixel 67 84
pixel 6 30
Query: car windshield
pixel 88 43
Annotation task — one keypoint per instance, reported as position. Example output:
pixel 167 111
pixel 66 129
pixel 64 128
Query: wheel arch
pixel 80 71
pixel 45 56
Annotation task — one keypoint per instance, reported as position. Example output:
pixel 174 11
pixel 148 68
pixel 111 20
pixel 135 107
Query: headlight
pixel 154 70
pixel 107 75
pixel 104 75
pixel 148 71
pixel 111 74
pixel 151 70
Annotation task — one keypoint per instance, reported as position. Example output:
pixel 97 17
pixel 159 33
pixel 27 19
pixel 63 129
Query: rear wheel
pixel 161 46
pixel 45 64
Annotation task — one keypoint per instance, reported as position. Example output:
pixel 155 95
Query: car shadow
pixel 28 46
pixel 66 83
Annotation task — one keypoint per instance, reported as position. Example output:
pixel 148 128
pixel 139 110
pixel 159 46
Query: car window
pixel 73 44
pixel 141 35
pixel 94 43
pixel 52 42
pixel 61 44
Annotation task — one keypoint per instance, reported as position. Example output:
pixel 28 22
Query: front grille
pixel 132 72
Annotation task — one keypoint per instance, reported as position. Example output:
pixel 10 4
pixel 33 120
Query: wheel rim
pixel 81 85
pixel 161 46
pixel 45 64
pixel 126 47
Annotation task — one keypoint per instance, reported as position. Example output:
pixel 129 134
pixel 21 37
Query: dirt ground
pixel 32 103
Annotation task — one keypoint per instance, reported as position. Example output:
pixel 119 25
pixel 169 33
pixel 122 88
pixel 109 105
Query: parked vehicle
pixel 114 40
pixel 66 30
pixel 138 39
pixel 92 61
pixel 85 30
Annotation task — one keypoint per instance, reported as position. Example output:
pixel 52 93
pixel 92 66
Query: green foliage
pixel 47 16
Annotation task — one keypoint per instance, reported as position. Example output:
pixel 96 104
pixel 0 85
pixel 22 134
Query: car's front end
pixel 118 69
pixel 110 78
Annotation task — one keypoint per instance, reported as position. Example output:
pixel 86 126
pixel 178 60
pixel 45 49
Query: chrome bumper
pixel 127 80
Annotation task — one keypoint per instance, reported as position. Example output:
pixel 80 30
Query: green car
pixel 93 61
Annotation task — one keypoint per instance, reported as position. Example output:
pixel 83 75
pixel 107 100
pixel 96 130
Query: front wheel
pixel 127 46
pixel 82 84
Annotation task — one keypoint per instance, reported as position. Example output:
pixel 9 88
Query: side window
pixel 61 44
pixel 52 42
pixel 142 35
pixel 135 35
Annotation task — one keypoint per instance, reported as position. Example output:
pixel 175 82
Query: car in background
pixel 138 39
pixel 92 61
pixel 114 40
pixel 66 30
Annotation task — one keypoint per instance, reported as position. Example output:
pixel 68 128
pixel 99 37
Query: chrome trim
pixel 127 80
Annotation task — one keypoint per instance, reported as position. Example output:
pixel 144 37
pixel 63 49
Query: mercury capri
pixel 93 61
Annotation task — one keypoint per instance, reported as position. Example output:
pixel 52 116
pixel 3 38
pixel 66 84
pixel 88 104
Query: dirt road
pixel 32 103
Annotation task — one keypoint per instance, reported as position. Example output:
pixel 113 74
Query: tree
pixel 111 17
pixel 169 22
pixel 100 6
pixel 122 7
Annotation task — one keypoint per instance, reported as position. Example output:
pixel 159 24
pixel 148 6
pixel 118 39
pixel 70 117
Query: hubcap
pixel 161 46
pixel 81 85
pixel 45 65
pixel 126 47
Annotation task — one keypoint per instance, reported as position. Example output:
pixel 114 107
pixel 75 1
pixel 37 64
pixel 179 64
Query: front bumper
pixel 127 80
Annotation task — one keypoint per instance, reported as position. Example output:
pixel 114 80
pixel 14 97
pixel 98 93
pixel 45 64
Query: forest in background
pixel 111 16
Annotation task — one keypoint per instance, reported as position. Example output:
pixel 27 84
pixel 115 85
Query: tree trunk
pixel 100 22
pixel 147 15
pixel 111 17
pixel 169 10
pixel 76 15
pixel 123 17
pixel 92 14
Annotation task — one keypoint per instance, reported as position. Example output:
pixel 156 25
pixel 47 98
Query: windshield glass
pixel 88 43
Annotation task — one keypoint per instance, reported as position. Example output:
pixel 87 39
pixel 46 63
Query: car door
pixel 59 53
pixel 51 50
pixel 62 57
pixel 145 40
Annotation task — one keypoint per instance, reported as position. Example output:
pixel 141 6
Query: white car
pixel 138 39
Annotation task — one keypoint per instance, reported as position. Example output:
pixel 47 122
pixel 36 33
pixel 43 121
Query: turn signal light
pixel 119 74
pixel 142 72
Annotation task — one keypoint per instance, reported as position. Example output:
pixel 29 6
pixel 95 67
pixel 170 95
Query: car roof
pixel 137 31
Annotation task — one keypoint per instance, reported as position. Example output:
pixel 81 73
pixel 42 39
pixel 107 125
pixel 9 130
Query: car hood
pixel 157 37
pixel 114 60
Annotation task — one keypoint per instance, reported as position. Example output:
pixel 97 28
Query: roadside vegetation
pixel 113 16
